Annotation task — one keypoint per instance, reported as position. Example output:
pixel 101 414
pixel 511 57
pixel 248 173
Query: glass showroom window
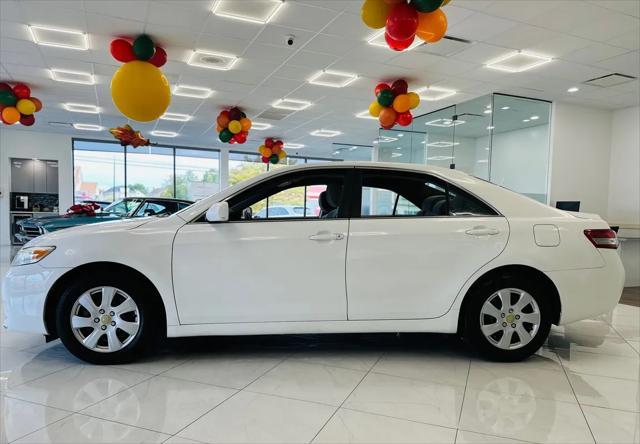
pixel 150 172
pixel 243 166
pixel 98 171
pixel 197 173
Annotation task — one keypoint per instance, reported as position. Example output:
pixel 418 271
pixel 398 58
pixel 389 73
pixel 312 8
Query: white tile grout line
pixel 464 395
pixel 346 397
pixel 578 401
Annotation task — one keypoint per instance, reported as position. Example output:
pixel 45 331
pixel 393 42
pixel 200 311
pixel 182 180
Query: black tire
pixel 473 334
pixel 136 291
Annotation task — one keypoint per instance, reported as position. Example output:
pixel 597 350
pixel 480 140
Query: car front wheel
pixel 507 320
pixel 104 320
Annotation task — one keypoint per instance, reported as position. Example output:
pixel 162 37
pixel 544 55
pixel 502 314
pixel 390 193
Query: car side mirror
pixel 218 212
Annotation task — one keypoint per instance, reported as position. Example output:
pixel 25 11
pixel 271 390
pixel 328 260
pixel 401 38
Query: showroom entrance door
pixel 280 257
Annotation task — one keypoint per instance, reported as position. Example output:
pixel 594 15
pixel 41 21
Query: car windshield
pixel 122 207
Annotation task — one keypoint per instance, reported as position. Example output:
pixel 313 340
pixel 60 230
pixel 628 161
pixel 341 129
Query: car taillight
pixel 602 238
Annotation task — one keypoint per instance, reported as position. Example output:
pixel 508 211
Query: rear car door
pixel 414 240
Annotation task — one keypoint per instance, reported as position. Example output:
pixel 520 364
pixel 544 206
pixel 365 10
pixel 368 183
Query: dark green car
pixel 126 208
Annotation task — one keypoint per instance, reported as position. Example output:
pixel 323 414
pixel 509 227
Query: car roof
pixel 165 199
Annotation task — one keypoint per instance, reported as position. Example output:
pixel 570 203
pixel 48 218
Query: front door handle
pixel 326 236
pixel 482 231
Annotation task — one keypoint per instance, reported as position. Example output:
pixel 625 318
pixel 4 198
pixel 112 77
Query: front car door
pixel 414 241
pixel 259 267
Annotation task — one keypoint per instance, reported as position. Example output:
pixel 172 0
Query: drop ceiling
pixel 585 39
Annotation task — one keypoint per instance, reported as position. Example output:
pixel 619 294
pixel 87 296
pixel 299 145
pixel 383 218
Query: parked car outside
pixel 125 208
pixel 395 248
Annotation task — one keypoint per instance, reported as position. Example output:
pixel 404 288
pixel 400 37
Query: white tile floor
pixel 582 387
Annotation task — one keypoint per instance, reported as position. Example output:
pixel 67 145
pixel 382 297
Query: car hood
pixel 82 230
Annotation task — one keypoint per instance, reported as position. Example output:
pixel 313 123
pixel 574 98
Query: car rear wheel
pixel 104 320
pixel 507 320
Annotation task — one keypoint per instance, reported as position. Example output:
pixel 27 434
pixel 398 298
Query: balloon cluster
pixel 233 126
pixel 403 20
pixel 17 105
pixel 128 136
pixel 393 104
pixel 138 88
pixel 272 151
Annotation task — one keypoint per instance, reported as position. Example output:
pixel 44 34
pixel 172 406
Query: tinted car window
pixel 122 207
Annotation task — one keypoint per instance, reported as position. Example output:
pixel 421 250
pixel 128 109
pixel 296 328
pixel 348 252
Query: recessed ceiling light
pixel 254 12
pixel 534 117
pixel 365 115
pixel 260 126
pixel 377 39
pixel 333 79
pixel 518 61
pixel 526 120
pixel 325 133
pixel 387 139
pixel 87 127
pixel 353 148
pixel 506 107
pixel 483 161
pixel 176 116
pixel 163 133
pixel 63 75
pixel 58 37
pixel 487 111
pixel 440 158
pixel 573 89
pixel 212 60
pixel 292 104
pixel 197 92
pixel 81 108
pixel 294 146
pixel 401 135
pixel 442 144
pixel 490 127
pixel 488 106
pixel 396 154
pixel 434 93
pixel 445 123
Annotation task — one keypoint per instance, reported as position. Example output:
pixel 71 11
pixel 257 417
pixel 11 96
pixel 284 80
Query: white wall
pixel 581 141
pixel 30 144
pixel 624 167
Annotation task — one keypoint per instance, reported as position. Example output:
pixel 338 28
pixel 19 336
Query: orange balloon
pixel 37 103
pixel 394 2
pixel 223 120
pixel 444 3
pixel 246 123
pixel 431 25
pixel 387 116
pixel 10 115
pixel 402 103
pixel 218 128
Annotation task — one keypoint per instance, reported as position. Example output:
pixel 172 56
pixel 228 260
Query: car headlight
pixel 31 255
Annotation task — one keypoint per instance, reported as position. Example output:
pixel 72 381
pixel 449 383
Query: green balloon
pixel 225 135
pixel 8 98
pixel 426 5
pixel 274 159
pixel 385 97
pixel 143 47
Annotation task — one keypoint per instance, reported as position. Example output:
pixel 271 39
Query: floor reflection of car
pixel 394 248
pixel 130 207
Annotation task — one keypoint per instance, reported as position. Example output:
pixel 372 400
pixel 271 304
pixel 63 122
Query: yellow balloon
pixel 262 149
pixel 235 126
pixel 140 91
pixel 26 107
pixel 414 100
pixel 402 103
pixel 282 155
pixel 374 13
pixel 375 108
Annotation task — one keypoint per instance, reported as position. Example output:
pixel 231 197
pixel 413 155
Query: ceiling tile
pixel 594 53
pixel 628 63
pixel 479 27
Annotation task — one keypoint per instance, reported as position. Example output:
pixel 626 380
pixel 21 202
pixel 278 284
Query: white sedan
pixel 394 248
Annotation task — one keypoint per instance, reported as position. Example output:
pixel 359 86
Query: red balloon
pixel 265 159
pixel 402 22
pixel 21 91
pixel 269 142
pixel 159 58
pixel 404 119
pixel 380 87
pixel 5 87
pixel 400 86
pixel 27 120
pixel 241 137
pixel 398 45
pixel 122 50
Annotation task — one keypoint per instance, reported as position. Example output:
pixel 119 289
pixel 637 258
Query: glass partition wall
pixel 500 138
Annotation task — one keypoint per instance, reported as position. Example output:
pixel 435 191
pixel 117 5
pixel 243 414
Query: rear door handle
pixel 482 231
pixel 326 236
